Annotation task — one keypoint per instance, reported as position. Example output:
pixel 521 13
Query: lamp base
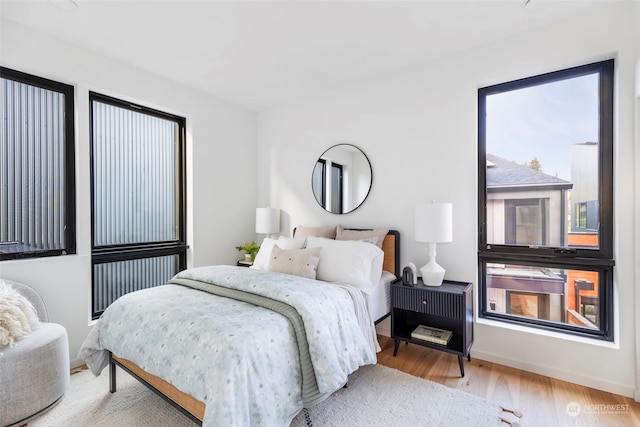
pixel 432 273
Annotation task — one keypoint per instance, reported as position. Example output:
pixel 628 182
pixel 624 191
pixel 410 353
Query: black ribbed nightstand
pixel 243 263
pixel 449 307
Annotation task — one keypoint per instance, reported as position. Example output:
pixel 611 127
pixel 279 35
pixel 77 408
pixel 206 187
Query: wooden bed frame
pixel 189 405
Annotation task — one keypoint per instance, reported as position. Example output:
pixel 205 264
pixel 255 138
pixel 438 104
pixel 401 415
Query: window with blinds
pixel 37 177
pixel 138 192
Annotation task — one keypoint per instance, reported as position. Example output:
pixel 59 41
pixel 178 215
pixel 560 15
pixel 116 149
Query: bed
pixel 231 345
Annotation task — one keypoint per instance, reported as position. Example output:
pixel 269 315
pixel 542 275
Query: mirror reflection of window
pixel 341 179
pixel 337 189
pixel 328 186
pixel 317 182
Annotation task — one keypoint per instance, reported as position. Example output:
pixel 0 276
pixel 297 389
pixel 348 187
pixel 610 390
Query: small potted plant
pixel 251 250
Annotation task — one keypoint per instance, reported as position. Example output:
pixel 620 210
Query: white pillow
pixel 261 262
pixel 291 242
pixel 348 262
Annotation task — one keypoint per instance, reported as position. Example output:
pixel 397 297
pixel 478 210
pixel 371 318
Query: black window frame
pixel 123 252
pixel 600 259
pixel 69 174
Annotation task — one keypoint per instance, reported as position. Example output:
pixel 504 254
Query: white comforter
pixel 240 359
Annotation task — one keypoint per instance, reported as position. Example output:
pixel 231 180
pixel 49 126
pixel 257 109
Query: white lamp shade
pixel 433 222
pixel 267 220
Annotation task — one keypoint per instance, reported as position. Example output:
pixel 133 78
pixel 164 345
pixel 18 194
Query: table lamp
pixel 267 221
pixel 433 224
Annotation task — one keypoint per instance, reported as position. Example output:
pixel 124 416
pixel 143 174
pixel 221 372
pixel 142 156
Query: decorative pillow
pixel 17 316
pixel 327 232
pixel 364 235
pixel 299 262
pixel 261 262
pixel 348 262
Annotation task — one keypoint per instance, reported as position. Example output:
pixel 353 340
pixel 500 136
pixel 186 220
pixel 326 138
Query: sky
pixel 544 121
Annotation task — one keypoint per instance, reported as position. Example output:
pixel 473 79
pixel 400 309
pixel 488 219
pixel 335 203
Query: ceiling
pixel 261 54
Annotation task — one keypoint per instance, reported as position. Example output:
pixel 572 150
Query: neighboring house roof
pixel 502 173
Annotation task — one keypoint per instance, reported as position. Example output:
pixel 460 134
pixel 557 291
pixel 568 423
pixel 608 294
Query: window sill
pixel 550 334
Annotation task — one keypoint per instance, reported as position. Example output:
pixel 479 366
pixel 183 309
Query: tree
pixel 534 164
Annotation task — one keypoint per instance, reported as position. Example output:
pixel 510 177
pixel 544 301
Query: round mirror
pixel 341 179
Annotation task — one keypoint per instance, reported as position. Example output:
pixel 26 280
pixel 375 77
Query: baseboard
pixel 384 328
pixel 76 363
pixel 582 380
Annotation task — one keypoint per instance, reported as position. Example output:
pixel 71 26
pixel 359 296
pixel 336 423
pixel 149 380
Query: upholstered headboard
pixel 391 249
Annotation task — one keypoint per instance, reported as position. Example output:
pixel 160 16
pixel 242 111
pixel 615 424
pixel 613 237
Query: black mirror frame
pixel 323 195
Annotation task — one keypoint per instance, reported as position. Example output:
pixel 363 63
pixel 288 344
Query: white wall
pixel 637 193
pixel 221 141
pixel 418 128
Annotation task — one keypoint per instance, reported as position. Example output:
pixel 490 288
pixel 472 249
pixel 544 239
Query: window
pixel 581 215
pixel 545 212
pixel 37 171
pixel 525 221
pixel 138 198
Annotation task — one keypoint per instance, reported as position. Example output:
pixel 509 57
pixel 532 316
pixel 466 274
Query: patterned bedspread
pixel 241 359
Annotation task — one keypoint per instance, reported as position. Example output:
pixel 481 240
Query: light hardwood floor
pixel 543 401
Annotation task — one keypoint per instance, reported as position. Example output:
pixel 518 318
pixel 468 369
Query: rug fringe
pixel 511 423
pixel 512 411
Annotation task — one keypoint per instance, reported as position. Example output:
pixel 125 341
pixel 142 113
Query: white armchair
pixel 34 374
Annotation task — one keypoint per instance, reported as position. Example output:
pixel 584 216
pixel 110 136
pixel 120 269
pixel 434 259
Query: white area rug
pixel 376 396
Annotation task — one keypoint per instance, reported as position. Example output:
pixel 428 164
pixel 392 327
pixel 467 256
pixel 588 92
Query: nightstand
pixel 449 306
pixel 243 263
